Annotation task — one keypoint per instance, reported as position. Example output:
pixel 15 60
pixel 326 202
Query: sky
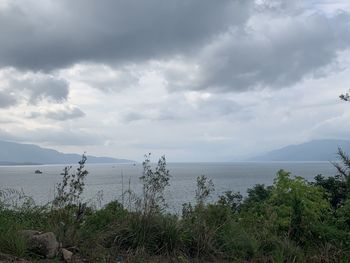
pixel 195 80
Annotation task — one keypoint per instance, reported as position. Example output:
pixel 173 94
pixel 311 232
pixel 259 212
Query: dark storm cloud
pixel 50 35
pixel 276 57
pixel 6 99
pixel 224 39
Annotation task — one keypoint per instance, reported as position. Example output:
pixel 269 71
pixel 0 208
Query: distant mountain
pixel 317 150
pixel 15 153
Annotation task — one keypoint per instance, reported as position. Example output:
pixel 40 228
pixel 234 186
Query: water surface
pixel 111 179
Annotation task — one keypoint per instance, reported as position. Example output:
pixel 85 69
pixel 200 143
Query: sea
pixel 107 182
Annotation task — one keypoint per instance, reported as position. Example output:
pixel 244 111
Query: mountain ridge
pixel 315 150
pixel 18 153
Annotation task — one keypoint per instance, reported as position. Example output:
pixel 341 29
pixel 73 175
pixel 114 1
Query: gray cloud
pixel 51 88
pixel 53 136
pixel 103 77
pixel 161 114
pixel 42 87
pixel 217 107
pixel 276 55
pixel 183 109
pixel 33 88
pixel 178 70
pixel 65 137
pixel 133 116
pixel 4 135
pixel 67 32
pixel 232 50
pixel 7 99
pixel 62 115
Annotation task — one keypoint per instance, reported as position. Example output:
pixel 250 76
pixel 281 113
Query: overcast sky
pixel 196 80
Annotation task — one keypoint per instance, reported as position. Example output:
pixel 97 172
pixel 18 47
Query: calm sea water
pixel 111 179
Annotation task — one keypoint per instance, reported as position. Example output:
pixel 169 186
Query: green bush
pixel 335 187
pixel 156 234
pixel 12 242
pixel 99 221
pixel 298 206
pixel 233 242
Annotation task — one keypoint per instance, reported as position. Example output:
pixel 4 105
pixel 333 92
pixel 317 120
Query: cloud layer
pixel 198 80
pixel 46 35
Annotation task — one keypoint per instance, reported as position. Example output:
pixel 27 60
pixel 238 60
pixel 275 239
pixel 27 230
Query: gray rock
pixel 44 244
pixel 67 255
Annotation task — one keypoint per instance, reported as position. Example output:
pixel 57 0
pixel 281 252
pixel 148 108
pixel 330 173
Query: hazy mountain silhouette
pixel 317 150
pixel 16 153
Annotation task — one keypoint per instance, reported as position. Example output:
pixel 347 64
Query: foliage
pixel 153 185
pixel 70 189
pixel 335 187
pixel 68 210
pixel 298 205
pixel 11 242
pixel 291 221
pixel 205 187
pixel 258 193
pixel 231 200
pixel 343 215
pixel 155 234
pixel 344 168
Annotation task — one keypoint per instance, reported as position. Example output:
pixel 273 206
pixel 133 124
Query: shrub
pixel 258 194
pixel 335 188
pixel 205 187
pixel 72 186
pixel 153 186
pixel 155 234
pixel 68 210
pixel 100 221
pixel 299 206
pixel 231 200
pixel 233 242
pixel 12 242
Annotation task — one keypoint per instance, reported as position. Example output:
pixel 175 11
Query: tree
pixel 154 183
pixel 204 189
pixel 299 206
pixel 72 186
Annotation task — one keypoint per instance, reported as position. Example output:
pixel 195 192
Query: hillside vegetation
pixel 292 220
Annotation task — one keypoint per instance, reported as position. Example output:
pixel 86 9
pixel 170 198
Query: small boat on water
pixel 38 172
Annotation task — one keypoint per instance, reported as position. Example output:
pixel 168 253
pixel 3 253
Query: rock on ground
pixel 44 244
pixel 67 255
